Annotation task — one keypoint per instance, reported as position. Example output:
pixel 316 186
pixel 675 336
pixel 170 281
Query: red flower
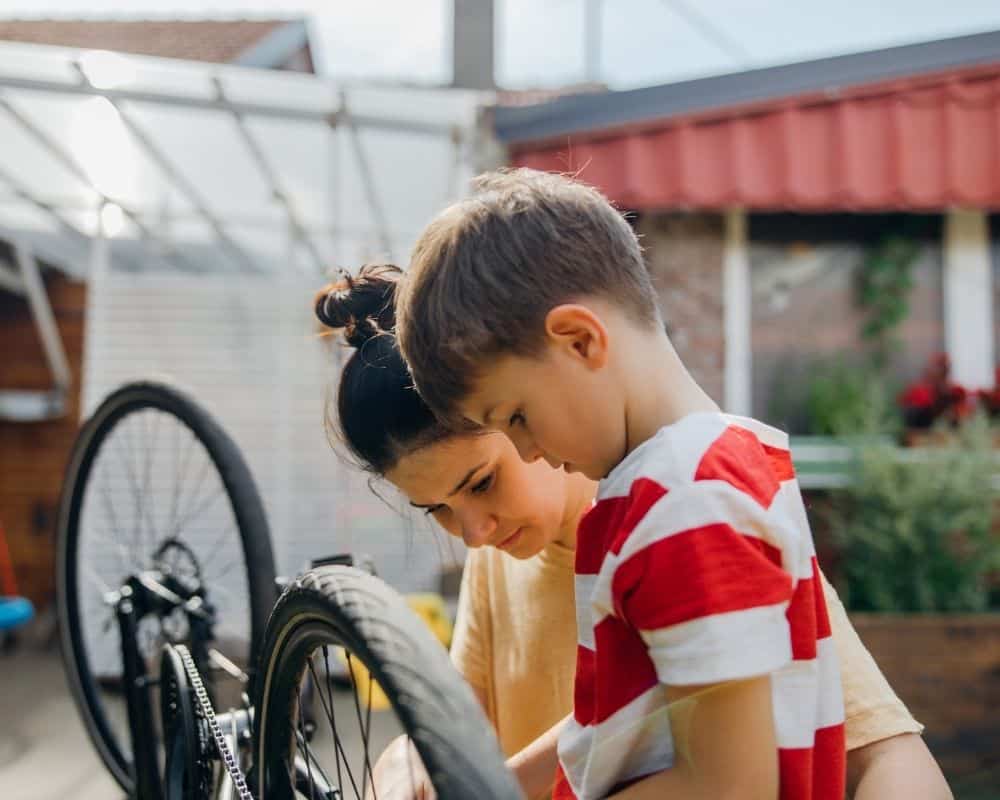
pixel 917 395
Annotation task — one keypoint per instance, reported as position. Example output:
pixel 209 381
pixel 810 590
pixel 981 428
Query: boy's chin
pixel 595 473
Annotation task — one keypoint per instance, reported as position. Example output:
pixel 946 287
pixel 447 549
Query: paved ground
pixel 45 753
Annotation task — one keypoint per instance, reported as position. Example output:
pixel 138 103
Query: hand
pixel 400 775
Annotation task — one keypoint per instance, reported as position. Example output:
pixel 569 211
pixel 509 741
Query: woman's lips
pixel 510 540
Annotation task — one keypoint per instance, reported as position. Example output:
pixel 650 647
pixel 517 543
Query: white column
pixel 93 380
pixel 736 314
pixel 968 298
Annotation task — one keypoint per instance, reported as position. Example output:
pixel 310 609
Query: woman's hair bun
pixel 363 306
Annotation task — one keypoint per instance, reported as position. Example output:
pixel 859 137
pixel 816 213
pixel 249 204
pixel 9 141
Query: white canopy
pixel 202 167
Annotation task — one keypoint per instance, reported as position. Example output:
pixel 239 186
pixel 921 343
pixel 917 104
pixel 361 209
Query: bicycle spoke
pixel 147 494
pixel 216 546
pixel 200 509
pixel 328 707
pixel 133 482
pixel 326 665
pixel 96 579
pixel 180 472
pixel 305 748
pixel 364 733
pixel 128 563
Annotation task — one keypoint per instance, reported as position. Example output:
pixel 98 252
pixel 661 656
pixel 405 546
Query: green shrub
pixel 849 399
pixel 916 526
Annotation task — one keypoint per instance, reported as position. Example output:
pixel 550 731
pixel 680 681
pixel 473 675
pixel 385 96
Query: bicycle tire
pixel 246 507
pixel 348 607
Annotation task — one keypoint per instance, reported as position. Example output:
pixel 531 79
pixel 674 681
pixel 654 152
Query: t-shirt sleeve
pixel 471 639
pixel 872 710
pixel 700 576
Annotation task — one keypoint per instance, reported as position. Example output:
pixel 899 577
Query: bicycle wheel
pixel 336 607
pixel 155 484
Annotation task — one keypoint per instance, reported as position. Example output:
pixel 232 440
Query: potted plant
pixel 919 556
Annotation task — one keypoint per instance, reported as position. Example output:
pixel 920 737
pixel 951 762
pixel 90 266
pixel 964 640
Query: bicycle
pixel 156 638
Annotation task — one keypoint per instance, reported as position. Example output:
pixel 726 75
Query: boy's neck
pixel 659 390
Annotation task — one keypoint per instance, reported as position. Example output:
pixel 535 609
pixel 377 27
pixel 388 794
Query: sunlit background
pixel 816 185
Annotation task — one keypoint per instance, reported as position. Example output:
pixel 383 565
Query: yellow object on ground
pixel 430 608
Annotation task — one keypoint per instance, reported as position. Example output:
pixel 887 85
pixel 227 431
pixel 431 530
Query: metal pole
pixel 98 268
pixel 368 182
pixel 116 96
pixel 297 228
pixel 592 40
pixel 44 318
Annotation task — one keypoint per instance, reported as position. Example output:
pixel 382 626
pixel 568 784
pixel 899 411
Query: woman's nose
pixel 477 528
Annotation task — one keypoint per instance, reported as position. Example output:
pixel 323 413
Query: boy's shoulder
pixel 703 446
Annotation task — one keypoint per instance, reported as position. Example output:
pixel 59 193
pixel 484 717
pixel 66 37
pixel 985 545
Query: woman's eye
pixel 483 485
pixel 517 418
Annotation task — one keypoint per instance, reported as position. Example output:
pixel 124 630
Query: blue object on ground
pixel 14 612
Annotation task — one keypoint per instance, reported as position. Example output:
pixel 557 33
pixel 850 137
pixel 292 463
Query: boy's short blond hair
pixel 486 272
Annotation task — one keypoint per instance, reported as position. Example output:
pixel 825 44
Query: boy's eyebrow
pixel 457 489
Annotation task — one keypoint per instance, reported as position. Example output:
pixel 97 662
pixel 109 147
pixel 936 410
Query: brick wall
pixel 684 254
pixel 33 455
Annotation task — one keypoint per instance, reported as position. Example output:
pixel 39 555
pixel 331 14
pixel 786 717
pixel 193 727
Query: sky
pixel 540 43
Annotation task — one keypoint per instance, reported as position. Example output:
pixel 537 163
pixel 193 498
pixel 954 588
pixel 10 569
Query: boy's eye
pixel 483 485
pixel 517 418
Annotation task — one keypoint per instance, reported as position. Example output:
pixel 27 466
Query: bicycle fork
pixel 140 712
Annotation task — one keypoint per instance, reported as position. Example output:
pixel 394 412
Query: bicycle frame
pixel 145 593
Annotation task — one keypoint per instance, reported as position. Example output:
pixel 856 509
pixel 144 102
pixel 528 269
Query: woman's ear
pixel 578 331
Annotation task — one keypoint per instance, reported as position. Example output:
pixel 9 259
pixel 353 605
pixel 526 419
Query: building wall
pixel 246 348
pixel 34 455
pixel 684 255
pixel 803 272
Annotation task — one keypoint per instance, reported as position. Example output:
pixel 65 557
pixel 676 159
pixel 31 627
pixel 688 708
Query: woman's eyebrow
pixel 466 479
pixel 457 489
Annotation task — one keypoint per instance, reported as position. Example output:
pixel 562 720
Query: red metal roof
pixel 922 143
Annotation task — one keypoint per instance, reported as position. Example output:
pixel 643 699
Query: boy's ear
pixel 579 331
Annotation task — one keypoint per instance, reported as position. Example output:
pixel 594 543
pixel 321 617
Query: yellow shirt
pixel 515 639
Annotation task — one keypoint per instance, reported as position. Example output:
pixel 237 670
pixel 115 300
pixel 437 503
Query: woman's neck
pixel 580 494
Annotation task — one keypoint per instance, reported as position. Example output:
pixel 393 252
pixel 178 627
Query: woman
pixel 515 639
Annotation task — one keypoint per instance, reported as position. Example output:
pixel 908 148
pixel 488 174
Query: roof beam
pixel 368 181
pixel 271 178
pixel 173 175
pixel 117 95
pixel 67 160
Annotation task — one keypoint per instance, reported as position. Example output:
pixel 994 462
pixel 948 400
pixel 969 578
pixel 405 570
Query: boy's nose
pixel 526 447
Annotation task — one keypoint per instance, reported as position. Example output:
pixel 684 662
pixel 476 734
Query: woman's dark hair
pixel 380 416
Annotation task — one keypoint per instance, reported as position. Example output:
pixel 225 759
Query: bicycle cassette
pixel 188 767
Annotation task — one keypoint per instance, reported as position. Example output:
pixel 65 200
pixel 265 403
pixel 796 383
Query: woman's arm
pixel 885 751
pixel 900 766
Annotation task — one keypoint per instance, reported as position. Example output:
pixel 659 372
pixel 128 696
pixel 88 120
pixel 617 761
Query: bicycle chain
pixel 228 759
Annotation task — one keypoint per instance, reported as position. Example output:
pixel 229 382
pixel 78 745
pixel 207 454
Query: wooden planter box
pixel 946 668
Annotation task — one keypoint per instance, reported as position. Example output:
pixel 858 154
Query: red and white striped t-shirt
pixel 696 566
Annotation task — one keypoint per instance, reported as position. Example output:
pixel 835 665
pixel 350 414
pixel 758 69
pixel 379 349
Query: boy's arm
pixel 724 745
pixel 535 765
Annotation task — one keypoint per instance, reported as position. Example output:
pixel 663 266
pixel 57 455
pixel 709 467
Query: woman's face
pixel 479 489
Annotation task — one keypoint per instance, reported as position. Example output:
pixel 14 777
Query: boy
pixel 704 666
